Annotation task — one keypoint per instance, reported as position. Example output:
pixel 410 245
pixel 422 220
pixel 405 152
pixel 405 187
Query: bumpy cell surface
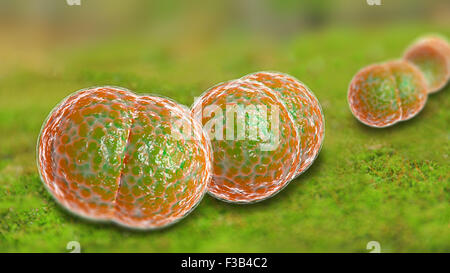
pixel 255 142
pixel 107 154
pixel 432 56
pixel 382 94
pixel 304 108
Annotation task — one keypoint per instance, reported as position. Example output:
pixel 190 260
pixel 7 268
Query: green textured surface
pixel 388 185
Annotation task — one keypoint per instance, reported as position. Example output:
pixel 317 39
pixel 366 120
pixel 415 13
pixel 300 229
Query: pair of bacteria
pixel 108 154
pixel 287 125
pixel 381 95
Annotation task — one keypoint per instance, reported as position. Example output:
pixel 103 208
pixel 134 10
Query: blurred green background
pixel 387 185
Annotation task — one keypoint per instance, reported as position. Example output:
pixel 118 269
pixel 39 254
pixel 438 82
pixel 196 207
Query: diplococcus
pixel 279 137
pixel 108 154
pixel 381 95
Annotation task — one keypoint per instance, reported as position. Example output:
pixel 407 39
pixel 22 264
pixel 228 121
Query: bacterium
pixel 432 56
pixel 381 95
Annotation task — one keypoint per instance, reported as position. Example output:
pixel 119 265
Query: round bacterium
pixel 432 56
pixel 304 108
pixel 381 95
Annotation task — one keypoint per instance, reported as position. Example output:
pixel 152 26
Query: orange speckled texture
pixel 304 108
pixel 411 88
pixel 243 171
pixel 432 56
pixel 381 95
pixel 107 154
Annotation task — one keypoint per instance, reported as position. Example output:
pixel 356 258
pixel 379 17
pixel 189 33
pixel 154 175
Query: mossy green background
pixel 387 185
